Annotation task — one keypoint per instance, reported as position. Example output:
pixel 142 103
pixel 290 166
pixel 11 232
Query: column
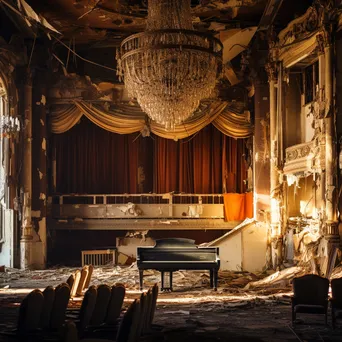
pixel 26 189
pixel 39 167
pixel 275 216
pixel 331 229
pixel 261 160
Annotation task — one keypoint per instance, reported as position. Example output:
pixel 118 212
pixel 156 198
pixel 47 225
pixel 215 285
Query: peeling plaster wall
pixel 254 246
pixel 65 246
pixel 231 253
pixel 6 247
pixel 261 152
pixel 128 245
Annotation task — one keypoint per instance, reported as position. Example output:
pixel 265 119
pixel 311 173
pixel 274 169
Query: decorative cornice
pixel 301 27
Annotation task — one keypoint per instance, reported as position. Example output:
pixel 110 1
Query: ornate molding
pixel 271 68
pixel 306 157
pixel 301 27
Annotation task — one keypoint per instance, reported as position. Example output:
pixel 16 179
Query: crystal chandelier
pixel 170 67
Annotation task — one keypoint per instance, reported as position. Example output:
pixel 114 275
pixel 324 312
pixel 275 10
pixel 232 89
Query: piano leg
pixel 211 278
pixel 141 277
pixel 215 279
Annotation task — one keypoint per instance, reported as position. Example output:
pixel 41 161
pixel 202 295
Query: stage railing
pixel 167 198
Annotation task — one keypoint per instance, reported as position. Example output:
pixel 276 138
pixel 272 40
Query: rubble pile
pixel 245 286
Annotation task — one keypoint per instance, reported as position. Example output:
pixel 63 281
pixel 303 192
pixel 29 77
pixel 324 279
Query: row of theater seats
pixel 135 322
pixel 311 295
pixel 44 315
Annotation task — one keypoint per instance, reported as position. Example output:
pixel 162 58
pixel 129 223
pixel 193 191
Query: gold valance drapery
pixel 126 119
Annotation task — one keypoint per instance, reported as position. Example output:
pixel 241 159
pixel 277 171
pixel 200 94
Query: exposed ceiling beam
pixel 269 14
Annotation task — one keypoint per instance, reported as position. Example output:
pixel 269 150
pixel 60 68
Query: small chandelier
pixel 9 126
pixel 169 68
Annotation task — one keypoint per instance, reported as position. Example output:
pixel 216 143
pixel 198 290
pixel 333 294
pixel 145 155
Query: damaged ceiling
pixel 81 36
pixel 85 20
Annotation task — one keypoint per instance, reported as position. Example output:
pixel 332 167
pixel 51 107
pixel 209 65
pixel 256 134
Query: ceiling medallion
pixel 170 67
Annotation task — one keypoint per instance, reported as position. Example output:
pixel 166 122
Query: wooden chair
pixel 49 297
pixel 87 308
pixel 70 281
pixel 29 318
pixel 90 273
pixel 336 299
pixel 30 312
pixel 60 304
pixel 310 296
pixel 73 289
pixel 118 292
pixel 127 331
pixel 101 306
pixel 82 282
pixel 155 291
pixel 144 306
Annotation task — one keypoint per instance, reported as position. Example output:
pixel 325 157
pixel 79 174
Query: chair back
pixel 143 314
pixel 70 333
pixel 336 290
pixel 87 307
pixel 90 273
pixel 311 289
pixel 30 311
pixel 155 291
pixel 83 278
pixel 115 304
pixel 127 331
pixel 74 288
pixel 60 304
pixel 70 281
pixel 147 314
pixel 49 297
pixel 102 300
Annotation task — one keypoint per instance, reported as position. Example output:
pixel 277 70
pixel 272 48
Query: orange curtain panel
pixel 238 207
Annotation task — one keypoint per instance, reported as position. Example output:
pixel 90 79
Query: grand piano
pixel 173 254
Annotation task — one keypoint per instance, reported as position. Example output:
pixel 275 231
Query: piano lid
pixel 175 243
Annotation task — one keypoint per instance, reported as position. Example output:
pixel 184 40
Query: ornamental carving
pixel 272 70
pixel 305 157
pixel 304 151
pixel 291 155
pixel 301 27
pixel 298 151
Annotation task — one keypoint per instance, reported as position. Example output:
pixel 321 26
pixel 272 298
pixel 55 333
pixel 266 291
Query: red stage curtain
pixel 92 160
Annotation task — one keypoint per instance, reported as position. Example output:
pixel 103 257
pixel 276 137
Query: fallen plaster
pixel 40 174
pixel 43 100
pixel 44 144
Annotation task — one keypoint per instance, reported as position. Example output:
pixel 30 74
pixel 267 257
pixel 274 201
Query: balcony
pixel 305 157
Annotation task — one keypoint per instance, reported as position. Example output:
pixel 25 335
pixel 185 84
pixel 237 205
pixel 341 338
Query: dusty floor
pixel 192 312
